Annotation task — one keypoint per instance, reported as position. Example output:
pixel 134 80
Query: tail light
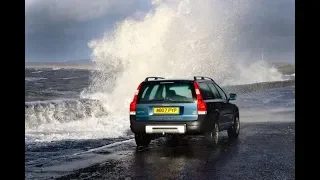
pixel 202 106
pixel 133 104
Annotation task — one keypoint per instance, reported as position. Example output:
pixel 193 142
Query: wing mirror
pixel 232 96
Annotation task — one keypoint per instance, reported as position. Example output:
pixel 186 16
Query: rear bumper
pixel 191 127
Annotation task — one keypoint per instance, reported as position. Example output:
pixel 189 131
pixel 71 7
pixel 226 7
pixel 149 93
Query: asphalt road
pixel 262 151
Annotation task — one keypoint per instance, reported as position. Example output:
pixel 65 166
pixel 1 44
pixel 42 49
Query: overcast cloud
pixel 270 29
pixel 59 30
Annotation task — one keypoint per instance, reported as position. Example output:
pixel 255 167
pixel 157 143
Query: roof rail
pixel 155 78
pixel 202 78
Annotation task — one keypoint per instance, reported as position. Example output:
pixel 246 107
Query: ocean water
pixel 43 84
pixel 55 109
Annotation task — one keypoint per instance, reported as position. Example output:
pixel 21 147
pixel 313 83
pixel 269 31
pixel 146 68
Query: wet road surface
pixel 262 151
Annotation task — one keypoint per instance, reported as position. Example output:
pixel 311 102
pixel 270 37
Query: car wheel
pixel 234 130
pixel 213 136
pixel 142 139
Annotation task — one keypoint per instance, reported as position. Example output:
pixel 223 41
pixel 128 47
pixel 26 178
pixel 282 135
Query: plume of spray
pixel 176 39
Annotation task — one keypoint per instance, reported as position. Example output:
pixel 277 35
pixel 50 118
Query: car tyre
pixel 213 135
pixel 234 130
pixel 142 139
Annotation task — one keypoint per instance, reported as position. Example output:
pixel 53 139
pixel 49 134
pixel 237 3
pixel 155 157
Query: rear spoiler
pixel 155 78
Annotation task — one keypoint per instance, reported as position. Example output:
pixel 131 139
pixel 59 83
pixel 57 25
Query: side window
pixel 223 95
pixel 215 91
pixel 205 91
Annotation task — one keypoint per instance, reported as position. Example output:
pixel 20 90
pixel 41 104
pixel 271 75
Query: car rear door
pixel 214 102
pixel 228 106
pixel 220 104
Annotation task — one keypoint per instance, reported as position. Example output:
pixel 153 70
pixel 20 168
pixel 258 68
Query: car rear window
pixel 166 92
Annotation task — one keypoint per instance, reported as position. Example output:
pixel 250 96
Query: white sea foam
pixel 33 78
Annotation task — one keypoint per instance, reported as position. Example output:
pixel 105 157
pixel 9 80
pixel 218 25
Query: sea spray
pixel 175 39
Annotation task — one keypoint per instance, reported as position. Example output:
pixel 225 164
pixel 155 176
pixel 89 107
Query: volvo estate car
pixel 182 107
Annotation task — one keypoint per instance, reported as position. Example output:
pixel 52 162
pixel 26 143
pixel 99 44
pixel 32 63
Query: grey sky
pixel 270 29
pixel 59 30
